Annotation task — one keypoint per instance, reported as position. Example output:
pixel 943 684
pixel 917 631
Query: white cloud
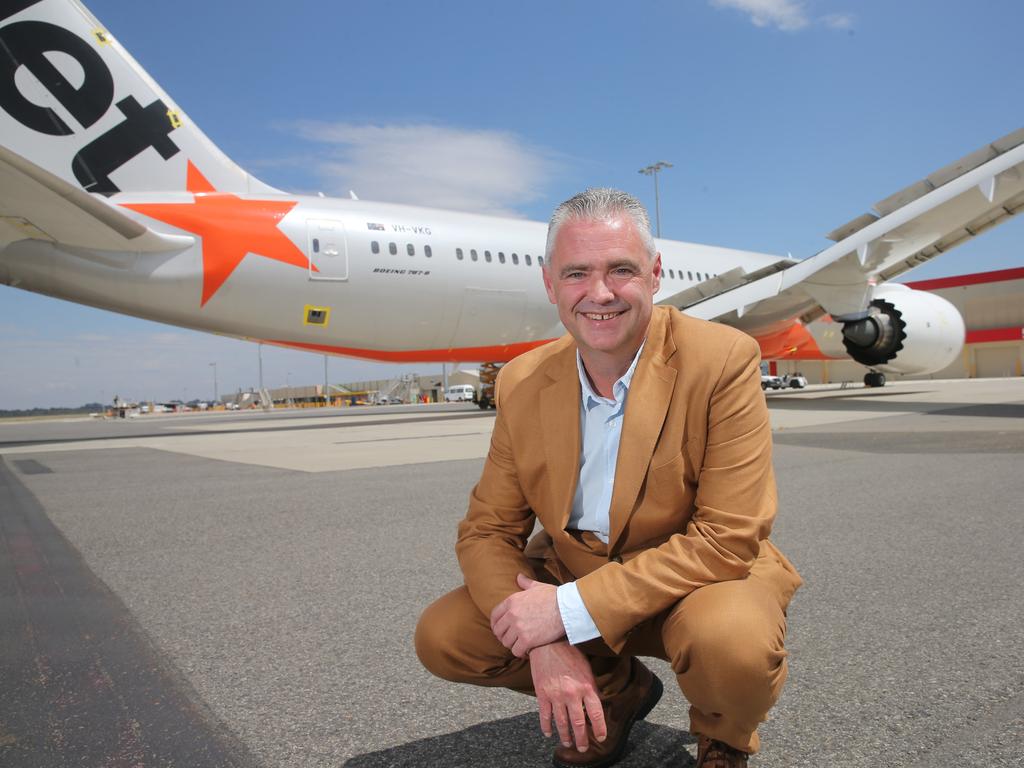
pixel 838 20
pixel 787 15
pixel 425 164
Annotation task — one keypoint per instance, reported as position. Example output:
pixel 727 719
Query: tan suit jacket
pixel 694 494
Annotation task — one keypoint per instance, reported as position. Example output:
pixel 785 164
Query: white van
pixel 459 393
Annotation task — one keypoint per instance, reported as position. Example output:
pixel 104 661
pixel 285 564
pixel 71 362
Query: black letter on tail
pixel 142 128
pixel 24 44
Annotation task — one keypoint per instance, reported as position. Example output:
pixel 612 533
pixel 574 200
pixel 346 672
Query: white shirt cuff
pixel 579 626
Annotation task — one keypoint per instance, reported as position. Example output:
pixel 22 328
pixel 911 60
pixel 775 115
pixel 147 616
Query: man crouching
pixel 641 442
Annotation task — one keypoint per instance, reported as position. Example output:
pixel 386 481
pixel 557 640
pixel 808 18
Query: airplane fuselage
pixel 388 282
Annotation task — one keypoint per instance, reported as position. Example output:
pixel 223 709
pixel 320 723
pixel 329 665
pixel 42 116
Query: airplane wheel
pixel 874 379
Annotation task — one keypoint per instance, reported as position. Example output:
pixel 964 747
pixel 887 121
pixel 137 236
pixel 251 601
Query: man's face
pixel 603 283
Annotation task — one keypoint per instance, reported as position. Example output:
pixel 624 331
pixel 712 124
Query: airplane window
pixel 515 258
pixel 487 256
pixel 540 261
pixel 689 274
pixel 472 253
pixel 392 249
pixel 529 263
pixel 316 245
pixel 375 247
pixel 427 251
pixel 672 274
pixel 501 257
pixel 410 249
pixel 458 254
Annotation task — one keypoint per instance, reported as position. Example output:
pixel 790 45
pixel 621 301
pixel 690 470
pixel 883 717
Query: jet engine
pixel 908 331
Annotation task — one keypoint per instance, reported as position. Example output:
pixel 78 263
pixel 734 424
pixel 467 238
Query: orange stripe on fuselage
pixel 492 354
pixel 794 343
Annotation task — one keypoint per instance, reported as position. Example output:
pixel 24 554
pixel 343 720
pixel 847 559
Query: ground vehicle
pixel 460 393
pixel 794 380
pixel 771 382
pixel 488 377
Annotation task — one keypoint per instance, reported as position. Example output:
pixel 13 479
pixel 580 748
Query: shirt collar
pixel 619 389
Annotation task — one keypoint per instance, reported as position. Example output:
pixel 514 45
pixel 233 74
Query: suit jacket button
pixel 617 559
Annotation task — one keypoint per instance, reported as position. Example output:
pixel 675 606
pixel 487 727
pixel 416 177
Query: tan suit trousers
pixel 724 641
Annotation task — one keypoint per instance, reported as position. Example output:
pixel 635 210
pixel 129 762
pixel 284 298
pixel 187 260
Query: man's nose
pixel 599 290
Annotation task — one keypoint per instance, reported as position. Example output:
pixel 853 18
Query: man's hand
pixel 529 618
pixel 566 691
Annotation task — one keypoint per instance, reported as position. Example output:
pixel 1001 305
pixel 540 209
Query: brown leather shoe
pixel 639 697
pixel 718 754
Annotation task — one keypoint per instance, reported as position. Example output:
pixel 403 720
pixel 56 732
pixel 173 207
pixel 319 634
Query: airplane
pixel 111 197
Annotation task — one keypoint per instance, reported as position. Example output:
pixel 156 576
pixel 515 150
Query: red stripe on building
pixel 994 334
pixel 978 278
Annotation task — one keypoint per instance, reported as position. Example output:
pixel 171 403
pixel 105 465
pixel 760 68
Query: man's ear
pixel 547 283
pixel 656 272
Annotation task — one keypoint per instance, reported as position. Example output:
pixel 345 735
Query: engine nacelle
pixel 907 332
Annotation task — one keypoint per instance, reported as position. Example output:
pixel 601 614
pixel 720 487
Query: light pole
pixel 327 397
pixel 652 170
pixel 259 354
pixel 216 397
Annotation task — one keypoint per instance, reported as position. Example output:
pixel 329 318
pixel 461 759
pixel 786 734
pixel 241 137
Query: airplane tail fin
pixel 74 102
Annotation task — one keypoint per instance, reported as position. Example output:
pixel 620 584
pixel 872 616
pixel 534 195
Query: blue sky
pixel 783 119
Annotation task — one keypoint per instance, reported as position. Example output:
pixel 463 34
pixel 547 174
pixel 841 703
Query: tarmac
pixel 240 589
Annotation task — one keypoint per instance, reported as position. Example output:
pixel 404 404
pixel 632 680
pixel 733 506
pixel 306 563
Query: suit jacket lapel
pixel 650 394
pixel 560 427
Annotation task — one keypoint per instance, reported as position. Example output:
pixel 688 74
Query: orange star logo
pixel 230 228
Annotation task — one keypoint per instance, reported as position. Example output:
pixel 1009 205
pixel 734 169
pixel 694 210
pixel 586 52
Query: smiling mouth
pixel 599 316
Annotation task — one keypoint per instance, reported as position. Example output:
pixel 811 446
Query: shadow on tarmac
pixel 515 742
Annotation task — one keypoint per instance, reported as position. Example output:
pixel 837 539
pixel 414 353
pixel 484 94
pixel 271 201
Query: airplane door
pixel 489 314
pixel 327 249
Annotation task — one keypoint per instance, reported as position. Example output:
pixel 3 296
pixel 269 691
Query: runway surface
pixel 241 589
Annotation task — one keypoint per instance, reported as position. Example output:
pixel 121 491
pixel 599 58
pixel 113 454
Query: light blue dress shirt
pixel 600 433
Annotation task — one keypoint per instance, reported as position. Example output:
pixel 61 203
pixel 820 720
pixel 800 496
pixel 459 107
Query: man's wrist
pixel 576 619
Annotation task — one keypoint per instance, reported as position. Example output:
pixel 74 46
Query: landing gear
pixel 874 379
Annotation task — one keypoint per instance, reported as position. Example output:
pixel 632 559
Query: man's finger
pixel 508 638
pixel 498 614
pixel 499 625
pixel 562 723
pixel 578 718
pixel 545 715
pixel 596 714
pixel 519 648
pixel 524 582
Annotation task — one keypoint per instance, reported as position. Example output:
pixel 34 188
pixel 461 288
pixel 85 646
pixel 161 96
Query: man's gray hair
pixel 601 204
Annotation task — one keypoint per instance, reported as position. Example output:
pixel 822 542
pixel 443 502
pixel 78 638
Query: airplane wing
pixel 905 230
pixel 36 205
